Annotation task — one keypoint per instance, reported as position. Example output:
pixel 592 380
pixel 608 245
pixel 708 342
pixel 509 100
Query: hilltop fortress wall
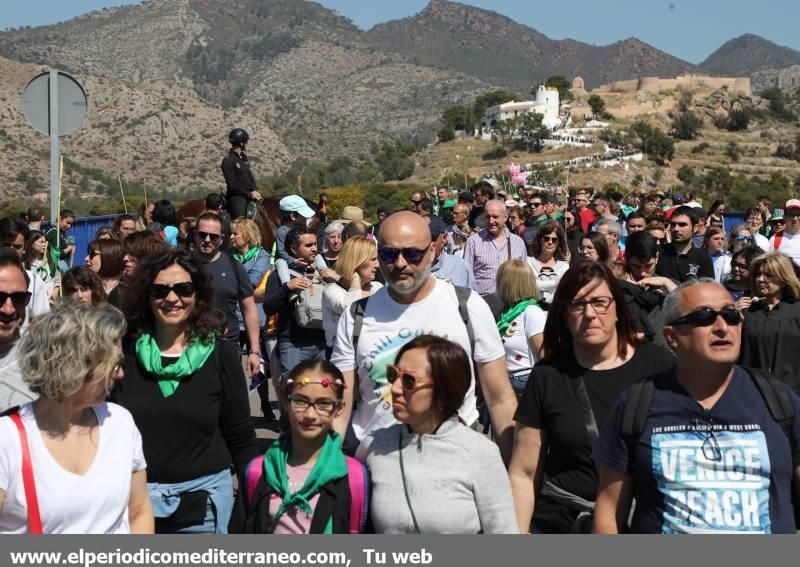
pixel 657 84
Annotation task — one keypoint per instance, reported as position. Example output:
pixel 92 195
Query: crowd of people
pixel 476 363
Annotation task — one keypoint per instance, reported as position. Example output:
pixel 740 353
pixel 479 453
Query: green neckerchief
pixel 169 378
pixel 249 255
pixel 508 315
pixel 330 465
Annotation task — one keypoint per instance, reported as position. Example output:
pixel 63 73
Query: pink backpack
pixel 356 479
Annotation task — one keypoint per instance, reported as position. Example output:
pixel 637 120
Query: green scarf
pixel 249 255
pixel 511 313
pixel 330 465
pixel 169 378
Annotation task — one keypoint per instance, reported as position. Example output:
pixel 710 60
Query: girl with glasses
pixel 303 484
pixel 740 237
pixel 431 474
pixel 755 221
pixel 738 282
pixel 187 392
pixel 591 355
pixel 106 258
pixel 771 331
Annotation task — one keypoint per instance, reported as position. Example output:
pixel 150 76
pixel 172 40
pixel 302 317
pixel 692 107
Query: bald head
pixel 405 226
pixel 496 217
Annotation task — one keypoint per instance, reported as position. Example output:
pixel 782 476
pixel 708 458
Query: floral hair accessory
pixel 325 382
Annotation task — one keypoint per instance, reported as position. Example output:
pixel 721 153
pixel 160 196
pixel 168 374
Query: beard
pixel 391 277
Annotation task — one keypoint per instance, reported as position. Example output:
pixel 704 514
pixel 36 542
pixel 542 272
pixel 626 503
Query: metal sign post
pixel 55 104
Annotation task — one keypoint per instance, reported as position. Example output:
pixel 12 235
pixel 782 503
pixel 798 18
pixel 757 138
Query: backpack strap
pixel 358 481
pixel 634 414
pixel 252 475
pixel 357 310
pixel 777 399
pixel 463 294
pixel 31 500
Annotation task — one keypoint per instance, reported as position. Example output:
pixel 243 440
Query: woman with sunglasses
pixel 771 331
pixel 591 355
pixel 738 282
pixel 430 473
pixel 187 392
pixel 714 244
pixel 85 460
pixel 739 237
pixel 574 235
pixel 549 258
pixel 106 258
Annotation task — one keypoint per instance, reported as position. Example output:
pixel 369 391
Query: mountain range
pixel 310 83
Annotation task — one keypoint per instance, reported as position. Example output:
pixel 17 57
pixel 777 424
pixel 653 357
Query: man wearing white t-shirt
pixel 788 241
pixel 413 303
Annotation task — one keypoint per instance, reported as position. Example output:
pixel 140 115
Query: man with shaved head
pixel 491 246
pixel 414 303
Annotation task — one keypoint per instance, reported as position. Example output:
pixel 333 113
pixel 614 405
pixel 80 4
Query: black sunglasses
pixel 412 255
pixel 706 316
pixel 18 298
pixel 161 291
pixel 210 235
pixel 413 202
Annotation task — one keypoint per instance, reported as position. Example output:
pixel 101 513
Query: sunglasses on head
pixel 706 316
pixel 407 379
pixel 18 298
pixel 209 235
pixel 412 255
pixel 161 291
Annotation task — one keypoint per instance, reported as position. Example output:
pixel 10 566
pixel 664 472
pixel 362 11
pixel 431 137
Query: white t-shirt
pixel 95 503
pixel 389 325
pixel 762 241
pixel 722 266
pixel 790 245
pixel 516 340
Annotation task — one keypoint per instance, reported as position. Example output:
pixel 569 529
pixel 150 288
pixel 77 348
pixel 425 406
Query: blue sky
pixel 689 29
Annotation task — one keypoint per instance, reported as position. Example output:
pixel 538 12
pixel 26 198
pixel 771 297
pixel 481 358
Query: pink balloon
pixel 514 169
pixel 520 179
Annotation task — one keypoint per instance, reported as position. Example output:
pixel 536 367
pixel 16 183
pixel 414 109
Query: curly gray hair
pixel 62 350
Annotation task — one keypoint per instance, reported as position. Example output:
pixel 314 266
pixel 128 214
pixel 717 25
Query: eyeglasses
pixel 415 203
pixel 601 305
pixel 705 316
pixel 710 446
pixel 550 239
pixel 740 266
pixel 94 253
pixel 208 235
pixel 407 379
pixel 744 238
pixel 181 289
pixel 792 214
pixel 16 246
pixel 412 255
pixel 19 299
pixel 323 406
pixel 536 203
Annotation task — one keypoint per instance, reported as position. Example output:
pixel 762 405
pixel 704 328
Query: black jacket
pixel 239 178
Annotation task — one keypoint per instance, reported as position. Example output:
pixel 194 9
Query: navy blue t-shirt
pixel 727 469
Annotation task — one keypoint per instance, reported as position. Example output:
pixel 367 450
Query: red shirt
pixel 588 218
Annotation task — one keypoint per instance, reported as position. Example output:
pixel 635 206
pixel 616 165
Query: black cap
pixel 466 197
pixel 437 227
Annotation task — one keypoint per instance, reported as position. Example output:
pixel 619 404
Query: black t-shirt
pixel 229 290
pixel 687 480
pixel 696 263
pixel 550 403
pixel 202 428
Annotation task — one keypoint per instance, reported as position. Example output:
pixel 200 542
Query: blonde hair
pixel 67 348
pixel 356 252
pixel 516 282
pixel 781 268
pixel 249 230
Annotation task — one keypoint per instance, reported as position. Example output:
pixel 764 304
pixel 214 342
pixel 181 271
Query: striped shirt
pixel 485 255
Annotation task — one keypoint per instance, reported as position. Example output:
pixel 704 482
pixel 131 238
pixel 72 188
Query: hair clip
pixel 325 382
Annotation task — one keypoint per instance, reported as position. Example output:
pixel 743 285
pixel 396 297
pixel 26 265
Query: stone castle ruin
pixel 739 85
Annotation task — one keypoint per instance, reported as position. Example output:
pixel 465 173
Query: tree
pixel 503 132
pixel 597 104
pixel 686 125
pixel 458 117
pixel 686 174
pixel 738 120
pixel 660 147
pixel 777 105
pixel 732 151
pixel 531 131
pixel 446 134
pixel 559 82
pixel 785 151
